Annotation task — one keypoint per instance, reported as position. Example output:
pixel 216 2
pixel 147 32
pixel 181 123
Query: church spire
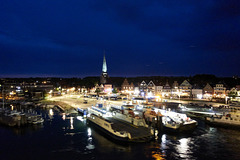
pixel 104 67
pixel 104 75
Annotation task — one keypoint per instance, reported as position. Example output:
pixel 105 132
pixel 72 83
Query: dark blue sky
pixel 67 38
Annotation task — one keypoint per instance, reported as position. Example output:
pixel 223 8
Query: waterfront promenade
pixel 77 101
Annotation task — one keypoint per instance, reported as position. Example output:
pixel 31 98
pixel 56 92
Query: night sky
pixel 67 38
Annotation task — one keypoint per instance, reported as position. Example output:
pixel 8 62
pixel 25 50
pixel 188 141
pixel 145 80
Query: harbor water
pixel 69 137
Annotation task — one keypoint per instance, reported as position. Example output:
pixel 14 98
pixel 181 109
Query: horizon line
pixel 122 76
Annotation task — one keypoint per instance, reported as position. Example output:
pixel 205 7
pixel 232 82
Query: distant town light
pixel 199 96
pixel 11 93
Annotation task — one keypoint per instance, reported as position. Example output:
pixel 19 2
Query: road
pixel 76 101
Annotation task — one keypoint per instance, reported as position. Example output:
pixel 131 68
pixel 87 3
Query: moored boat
pixel 120 131
pixel 227 120
pixel 171 121
pixel 187 125
pixel 10 118
pixel 127 114
pixel 106 126
pixel 130 118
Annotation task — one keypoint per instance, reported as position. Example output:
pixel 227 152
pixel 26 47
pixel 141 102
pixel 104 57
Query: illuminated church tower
pixel 104 76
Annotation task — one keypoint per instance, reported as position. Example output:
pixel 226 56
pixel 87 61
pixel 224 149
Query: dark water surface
pixel 63 137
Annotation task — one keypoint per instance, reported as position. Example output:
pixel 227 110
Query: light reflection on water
pixel 71 138
pixel 51 112
pixel 164 142
pixel 183 147
pixel 154 151
pixel 71 123
pixel 90 145
pixel 157 155
pixel 64 117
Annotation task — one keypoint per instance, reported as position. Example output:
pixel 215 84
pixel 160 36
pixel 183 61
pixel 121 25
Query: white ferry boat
pixel 171 121
pixel 130 117
pixel 99 111
pixel 106 126
pixel 119 131
pixel 230 119
pixel 127 114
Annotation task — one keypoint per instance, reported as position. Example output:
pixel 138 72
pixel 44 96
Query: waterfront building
pixel 175 90
pixel 108 88
pixel 136 91
pixel 234 91
pixel 166 91
pixel 26 88
pixel 158 89
pixel 83 89
pixel 143 88
pixel 197 91
pixel 175 85
pixel 126 87
pixel 93 89
pixel 238 92
pixel 208 91
pixel 101 87
pixel 151 89
pixel 185 89
pixel 234 94
pixel 132 86
pixel 219 91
